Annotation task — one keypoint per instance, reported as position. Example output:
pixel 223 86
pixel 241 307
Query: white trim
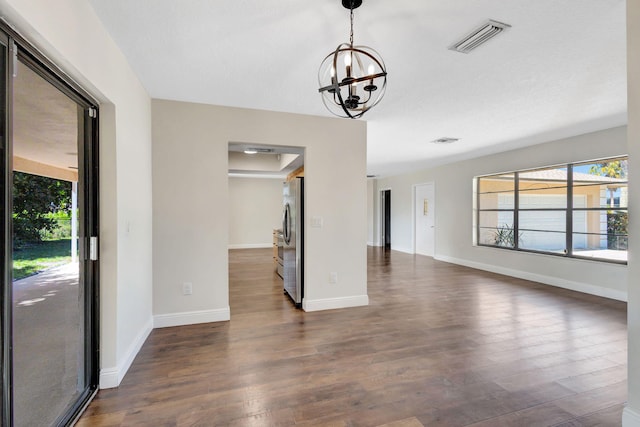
pixel 630 418
pixel 251 246
pixel 335 303
pixel 278 176
pixel 547 280
pixel 405 250
pixel 111 377
pixel 191 317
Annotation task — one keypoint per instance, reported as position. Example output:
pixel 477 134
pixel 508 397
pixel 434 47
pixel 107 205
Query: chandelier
pixel 352 79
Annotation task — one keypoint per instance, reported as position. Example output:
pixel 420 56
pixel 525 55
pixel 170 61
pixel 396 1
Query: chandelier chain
pixel 351 35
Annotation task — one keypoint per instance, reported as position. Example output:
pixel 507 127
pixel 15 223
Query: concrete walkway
pixel 47 331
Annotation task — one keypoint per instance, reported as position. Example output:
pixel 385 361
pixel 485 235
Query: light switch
pixel 316 221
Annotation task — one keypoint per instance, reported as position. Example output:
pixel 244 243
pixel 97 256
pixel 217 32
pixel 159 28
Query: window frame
pixel 569 211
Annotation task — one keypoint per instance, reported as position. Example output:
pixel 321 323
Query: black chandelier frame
pixel 353 107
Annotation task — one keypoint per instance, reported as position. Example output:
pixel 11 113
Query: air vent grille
pixel 479 36
pixel 445 140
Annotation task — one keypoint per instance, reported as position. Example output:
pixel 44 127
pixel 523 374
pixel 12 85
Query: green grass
pixel 40 256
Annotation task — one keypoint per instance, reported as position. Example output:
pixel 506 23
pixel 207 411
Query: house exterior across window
pixel 574 210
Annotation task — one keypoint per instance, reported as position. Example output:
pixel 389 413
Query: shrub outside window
pixel 575 210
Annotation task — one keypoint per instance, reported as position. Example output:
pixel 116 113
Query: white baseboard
pixel 547 280
pixel 335 303
pixel 401 249
pixel 191 318
pixel 251 246
pixel 630 418
pixel 111 377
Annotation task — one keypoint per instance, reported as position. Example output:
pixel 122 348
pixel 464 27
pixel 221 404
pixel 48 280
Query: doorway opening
pixel 257 250
pixel 49 280
pixel 385 218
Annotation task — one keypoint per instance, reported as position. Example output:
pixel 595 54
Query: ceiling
pixel 559 71
pixel 45 127
pixel 269 162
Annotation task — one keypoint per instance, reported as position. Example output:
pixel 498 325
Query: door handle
pixel 286 225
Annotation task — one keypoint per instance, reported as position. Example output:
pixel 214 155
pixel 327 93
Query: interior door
pixel 424 202
pixel 49 286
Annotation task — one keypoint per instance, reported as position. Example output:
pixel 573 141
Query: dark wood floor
pixel 439 345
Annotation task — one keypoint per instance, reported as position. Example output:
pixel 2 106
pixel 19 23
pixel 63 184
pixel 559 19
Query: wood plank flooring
pixel 439 345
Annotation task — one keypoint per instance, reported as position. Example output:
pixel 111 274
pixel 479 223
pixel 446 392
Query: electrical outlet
pixel 333 277
pixel 187 288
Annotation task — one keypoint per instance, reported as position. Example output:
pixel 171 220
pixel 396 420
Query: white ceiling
pixel 45 122
pixel 559 71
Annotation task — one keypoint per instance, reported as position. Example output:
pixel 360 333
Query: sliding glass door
pixel 49 181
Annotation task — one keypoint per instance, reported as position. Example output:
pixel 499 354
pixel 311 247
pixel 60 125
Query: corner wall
pixel 190 164
pixel 454 215
pixel 71 35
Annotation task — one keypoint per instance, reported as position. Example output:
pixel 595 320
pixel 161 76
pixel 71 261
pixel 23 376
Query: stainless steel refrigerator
pixel 293 238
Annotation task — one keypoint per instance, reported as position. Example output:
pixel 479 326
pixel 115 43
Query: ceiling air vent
pixel 444 140
pixel 479 36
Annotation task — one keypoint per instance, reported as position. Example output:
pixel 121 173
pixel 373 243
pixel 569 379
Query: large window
pixel 575 210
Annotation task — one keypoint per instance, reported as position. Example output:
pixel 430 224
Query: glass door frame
pixel 5 235
pixel 18 49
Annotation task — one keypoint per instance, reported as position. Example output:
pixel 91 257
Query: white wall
pixel 255 209
pixel 70 34
pixel 454 214
pixel 631 416
pixel 371 194
pixel 252 162
pixel 190 143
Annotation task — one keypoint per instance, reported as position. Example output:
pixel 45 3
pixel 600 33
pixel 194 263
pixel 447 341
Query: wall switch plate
pixel 333 277
pixel 187 288
pixel 316 221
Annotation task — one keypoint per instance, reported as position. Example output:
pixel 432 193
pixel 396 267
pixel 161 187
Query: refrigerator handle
pixel 286 224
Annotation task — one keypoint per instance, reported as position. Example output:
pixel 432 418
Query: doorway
pixel 385 210
pixel 424 219
pixel 49 230
pixel 258 254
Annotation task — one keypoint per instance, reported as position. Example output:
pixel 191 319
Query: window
pixel 575 210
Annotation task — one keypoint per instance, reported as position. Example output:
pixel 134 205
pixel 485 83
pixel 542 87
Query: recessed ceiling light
pixel 445 140
pixel 261 150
